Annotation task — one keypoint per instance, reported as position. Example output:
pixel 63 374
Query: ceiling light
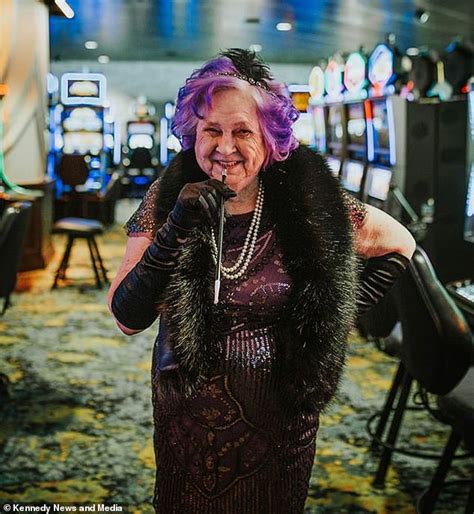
pixel 65 8
pixel 91 45
pixel 255 48
pixel 422 16
pixel 103 59
pixel 284 26
pixel 413 51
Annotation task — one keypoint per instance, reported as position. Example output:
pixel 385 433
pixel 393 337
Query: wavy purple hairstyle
pixel 275 110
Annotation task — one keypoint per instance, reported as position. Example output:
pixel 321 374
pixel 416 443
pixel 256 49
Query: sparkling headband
pixel 250 80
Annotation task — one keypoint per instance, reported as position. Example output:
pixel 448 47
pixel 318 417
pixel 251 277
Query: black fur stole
pixel 315 234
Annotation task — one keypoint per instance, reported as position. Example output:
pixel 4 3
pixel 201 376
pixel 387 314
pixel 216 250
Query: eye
pixel 243 132
pixel 211 130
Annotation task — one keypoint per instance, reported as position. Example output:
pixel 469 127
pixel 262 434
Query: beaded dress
pixel 231 449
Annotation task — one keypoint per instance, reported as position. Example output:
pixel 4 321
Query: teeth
pixel 228 164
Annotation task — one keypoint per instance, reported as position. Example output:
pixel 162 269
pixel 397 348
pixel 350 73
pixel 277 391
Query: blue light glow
pixel 117 143
pixel 391 133
pixel 164 141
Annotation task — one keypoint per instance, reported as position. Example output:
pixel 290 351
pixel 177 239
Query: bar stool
pixel 457 409
pixel 435 352
pixel 79 228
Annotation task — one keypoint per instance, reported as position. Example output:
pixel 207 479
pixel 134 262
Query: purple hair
pixel 275 110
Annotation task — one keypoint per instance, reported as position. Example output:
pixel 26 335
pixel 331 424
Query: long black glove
pixel 378 276
pixel 135 300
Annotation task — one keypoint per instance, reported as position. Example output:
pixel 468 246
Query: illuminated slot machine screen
pixel 84 143
pixel 351 176
pixel 135 127
pixel 140 141
pixel 378 183
pixel 83 130
pixel 335 130
pixel 303 126
pixel 83 88
pixel 319 128
pixel 303 129
pixel 381 129
pixel 356 131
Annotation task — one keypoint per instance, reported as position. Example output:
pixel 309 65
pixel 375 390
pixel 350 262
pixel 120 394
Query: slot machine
pixel 140 150
pixel 334 111
pixel 140 162
pixel 316 109
pixel 418 149
pixel 141 134
pixel 401 133
pixel 381 151
pixel 386 120
pixel 303 126
pixel 355 162
pixel 463 290
pixel 83 125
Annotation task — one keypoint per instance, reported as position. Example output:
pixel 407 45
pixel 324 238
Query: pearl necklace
pixel 245 256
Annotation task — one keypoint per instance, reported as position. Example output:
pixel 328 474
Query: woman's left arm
pixel 387 247
pixel 380 234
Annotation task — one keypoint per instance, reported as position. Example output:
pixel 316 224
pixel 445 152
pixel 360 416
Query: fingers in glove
pixel 213 200
pixel 208 207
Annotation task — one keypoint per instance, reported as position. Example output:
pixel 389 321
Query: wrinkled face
pixel 229 136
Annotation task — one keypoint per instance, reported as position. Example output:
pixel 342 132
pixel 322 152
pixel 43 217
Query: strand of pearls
pixel 233 272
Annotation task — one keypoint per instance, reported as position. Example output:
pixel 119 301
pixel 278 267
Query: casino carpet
pixel 77 427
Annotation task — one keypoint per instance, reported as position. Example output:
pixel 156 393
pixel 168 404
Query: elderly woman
pixel 238 386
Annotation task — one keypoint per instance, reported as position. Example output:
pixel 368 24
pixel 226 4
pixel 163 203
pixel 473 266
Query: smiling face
pixel 229 136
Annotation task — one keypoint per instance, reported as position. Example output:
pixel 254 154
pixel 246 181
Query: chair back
pixel 140 158
pixel 380 320
pixel 13 227
pixel 437 341
pixel 73 170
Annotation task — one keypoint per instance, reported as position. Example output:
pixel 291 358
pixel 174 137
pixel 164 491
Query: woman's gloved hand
pixel 199 202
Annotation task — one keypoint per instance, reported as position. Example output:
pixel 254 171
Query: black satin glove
pixel 378 276
pixel 136 299
pixel 198 202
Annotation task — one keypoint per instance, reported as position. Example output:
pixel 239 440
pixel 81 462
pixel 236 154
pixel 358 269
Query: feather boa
pixel 314 230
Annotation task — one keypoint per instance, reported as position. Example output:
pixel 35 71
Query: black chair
pixel 381 326
pixel 79 228
pixel 435 351
pixel 13 228
pixel 73 171
pixel 457 409
pixel 101 205
pixel 140 158
pixel 139 173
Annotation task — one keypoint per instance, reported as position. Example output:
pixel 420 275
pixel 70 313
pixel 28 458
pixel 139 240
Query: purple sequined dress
pixel 231 448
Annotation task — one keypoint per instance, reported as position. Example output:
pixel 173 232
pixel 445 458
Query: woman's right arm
pixel 136 247
pixel 138 289
pixel 140 285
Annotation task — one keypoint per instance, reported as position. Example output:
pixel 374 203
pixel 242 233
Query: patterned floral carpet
pixel 77 424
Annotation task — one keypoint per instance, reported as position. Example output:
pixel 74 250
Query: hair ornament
pixel 259 83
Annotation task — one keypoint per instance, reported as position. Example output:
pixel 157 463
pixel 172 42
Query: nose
pixel 226 144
